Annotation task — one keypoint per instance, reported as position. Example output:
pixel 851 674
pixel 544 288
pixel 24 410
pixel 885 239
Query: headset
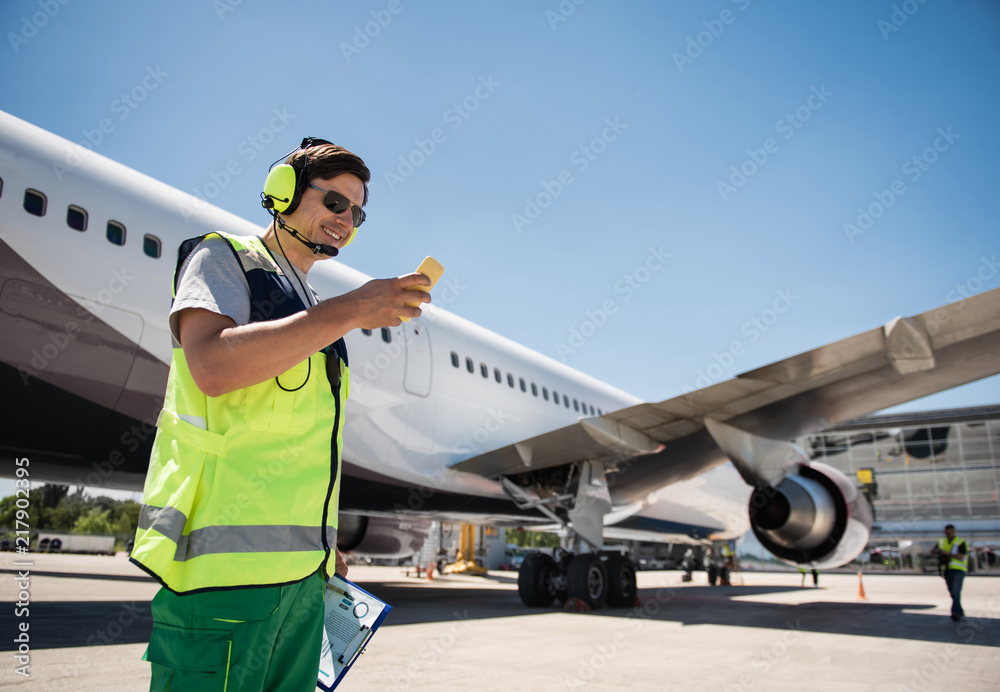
pixel 282 193
pixel 283 190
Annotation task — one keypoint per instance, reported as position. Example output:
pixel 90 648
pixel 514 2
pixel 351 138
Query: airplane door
pixel 417 378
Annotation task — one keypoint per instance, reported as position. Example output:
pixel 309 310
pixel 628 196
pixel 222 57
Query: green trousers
pixel 240 640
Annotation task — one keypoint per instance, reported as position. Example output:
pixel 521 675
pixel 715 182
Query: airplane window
pixel 510 379
pixel 76 218
pixel 555 397
pixel 524 387
pixel 600 412
pixel 386 335
pixel 116 233
pixel 576 405
pixel 469 366
pixel 534 389
pixel 496 375
pixel 368 332
pixel 34 202
pixel 484 371
pixel 151 246
pixel 454 357
pixel 566 400
pixel 1 187
pixel 545 393
pixel 592 409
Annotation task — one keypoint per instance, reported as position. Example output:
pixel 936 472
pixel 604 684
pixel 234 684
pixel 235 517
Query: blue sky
pixel 653 176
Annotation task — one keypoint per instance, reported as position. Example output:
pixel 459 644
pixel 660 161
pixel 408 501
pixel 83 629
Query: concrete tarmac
pixel 89 621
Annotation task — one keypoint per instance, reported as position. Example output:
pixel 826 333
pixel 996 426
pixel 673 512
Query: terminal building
pixel 922 471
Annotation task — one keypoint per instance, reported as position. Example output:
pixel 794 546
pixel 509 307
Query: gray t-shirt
pixel 212 278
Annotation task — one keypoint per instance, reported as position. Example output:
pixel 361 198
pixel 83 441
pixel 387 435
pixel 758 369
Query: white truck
pixel 73 543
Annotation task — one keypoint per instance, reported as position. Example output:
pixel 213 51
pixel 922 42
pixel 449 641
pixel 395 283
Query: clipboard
pixel 351 616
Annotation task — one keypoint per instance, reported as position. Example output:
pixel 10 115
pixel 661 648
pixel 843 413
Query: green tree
pixel 64 516
pixel 537 539
pixel 125 518
pixel 9 516
pixel 95 521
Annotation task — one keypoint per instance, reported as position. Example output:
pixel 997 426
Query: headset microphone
pixel 315 247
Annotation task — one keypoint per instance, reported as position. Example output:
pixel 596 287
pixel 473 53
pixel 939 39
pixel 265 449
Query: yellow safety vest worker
pixel 958 561
pixel 243 489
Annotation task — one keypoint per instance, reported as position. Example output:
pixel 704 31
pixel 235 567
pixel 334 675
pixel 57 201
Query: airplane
pixel 447 420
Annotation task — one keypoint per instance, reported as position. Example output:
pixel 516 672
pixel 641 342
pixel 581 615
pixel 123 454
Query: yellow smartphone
pixel 433 270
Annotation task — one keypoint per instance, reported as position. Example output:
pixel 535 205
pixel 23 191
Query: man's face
pixel 318 223
pixel 949 533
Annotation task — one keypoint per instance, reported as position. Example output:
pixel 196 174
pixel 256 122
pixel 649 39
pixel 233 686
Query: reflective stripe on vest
pixel 231 539
pixel 243 489
pixel 958 561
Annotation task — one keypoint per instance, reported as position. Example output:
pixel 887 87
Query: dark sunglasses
pixel 336 202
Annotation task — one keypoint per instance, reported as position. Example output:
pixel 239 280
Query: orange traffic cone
pixel 430 572
pixel 861 588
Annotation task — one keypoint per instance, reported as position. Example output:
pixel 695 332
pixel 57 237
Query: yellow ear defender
pixel 285 182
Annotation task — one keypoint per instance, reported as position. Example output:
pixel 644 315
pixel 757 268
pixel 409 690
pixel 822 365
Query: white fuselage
pixel 412 412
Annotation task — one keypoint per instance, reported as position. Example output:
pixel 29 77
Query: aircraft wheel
pixel 562 568
pixel 621 581
pixel 588 580
pixel 534 580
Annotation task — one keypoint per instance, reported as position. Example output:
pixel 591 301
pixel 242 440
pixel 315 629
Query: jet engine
pixel 381 536
pixel 814 517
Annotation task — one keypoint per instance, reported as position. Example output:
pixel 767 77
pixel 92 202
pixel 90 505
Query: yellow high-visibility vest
pixel 958 561
pixel 243 489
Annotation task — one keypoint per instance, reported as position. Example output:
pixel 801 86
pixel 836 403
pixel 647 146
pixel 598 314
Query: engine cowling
pixel 814 517
pixel 381 536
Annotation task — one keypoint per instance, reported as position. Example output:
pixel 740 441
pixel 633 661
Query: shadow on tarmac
pixel 63 624
pixel 89 623
pixel 84 575
pixel 702 605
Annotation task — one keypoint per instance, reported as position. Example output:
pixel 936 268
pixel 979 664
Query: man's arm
pixel 224 357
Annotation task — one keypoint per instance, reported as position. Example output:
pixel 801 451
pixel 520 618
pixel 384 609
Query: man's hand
pixel 341 568
pixel 381 302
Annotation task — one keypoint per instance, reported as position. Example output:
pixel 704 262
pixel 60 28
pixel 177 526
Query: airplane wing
pixel 651 445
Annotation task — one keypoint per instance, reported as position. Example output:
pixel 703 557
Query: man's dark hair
pixel 949 526
pixel 328 160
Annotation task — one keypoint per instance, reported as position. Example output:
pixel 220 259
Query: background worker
pixel 957 552
pixel 239 515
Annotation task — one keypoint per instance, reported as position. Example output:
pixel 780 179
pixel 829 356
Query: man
pixel 956 551
pixel 240 505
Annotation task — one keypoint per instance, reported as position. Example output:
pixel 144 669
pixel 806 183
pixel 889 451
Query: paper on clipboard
pixel 351 616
